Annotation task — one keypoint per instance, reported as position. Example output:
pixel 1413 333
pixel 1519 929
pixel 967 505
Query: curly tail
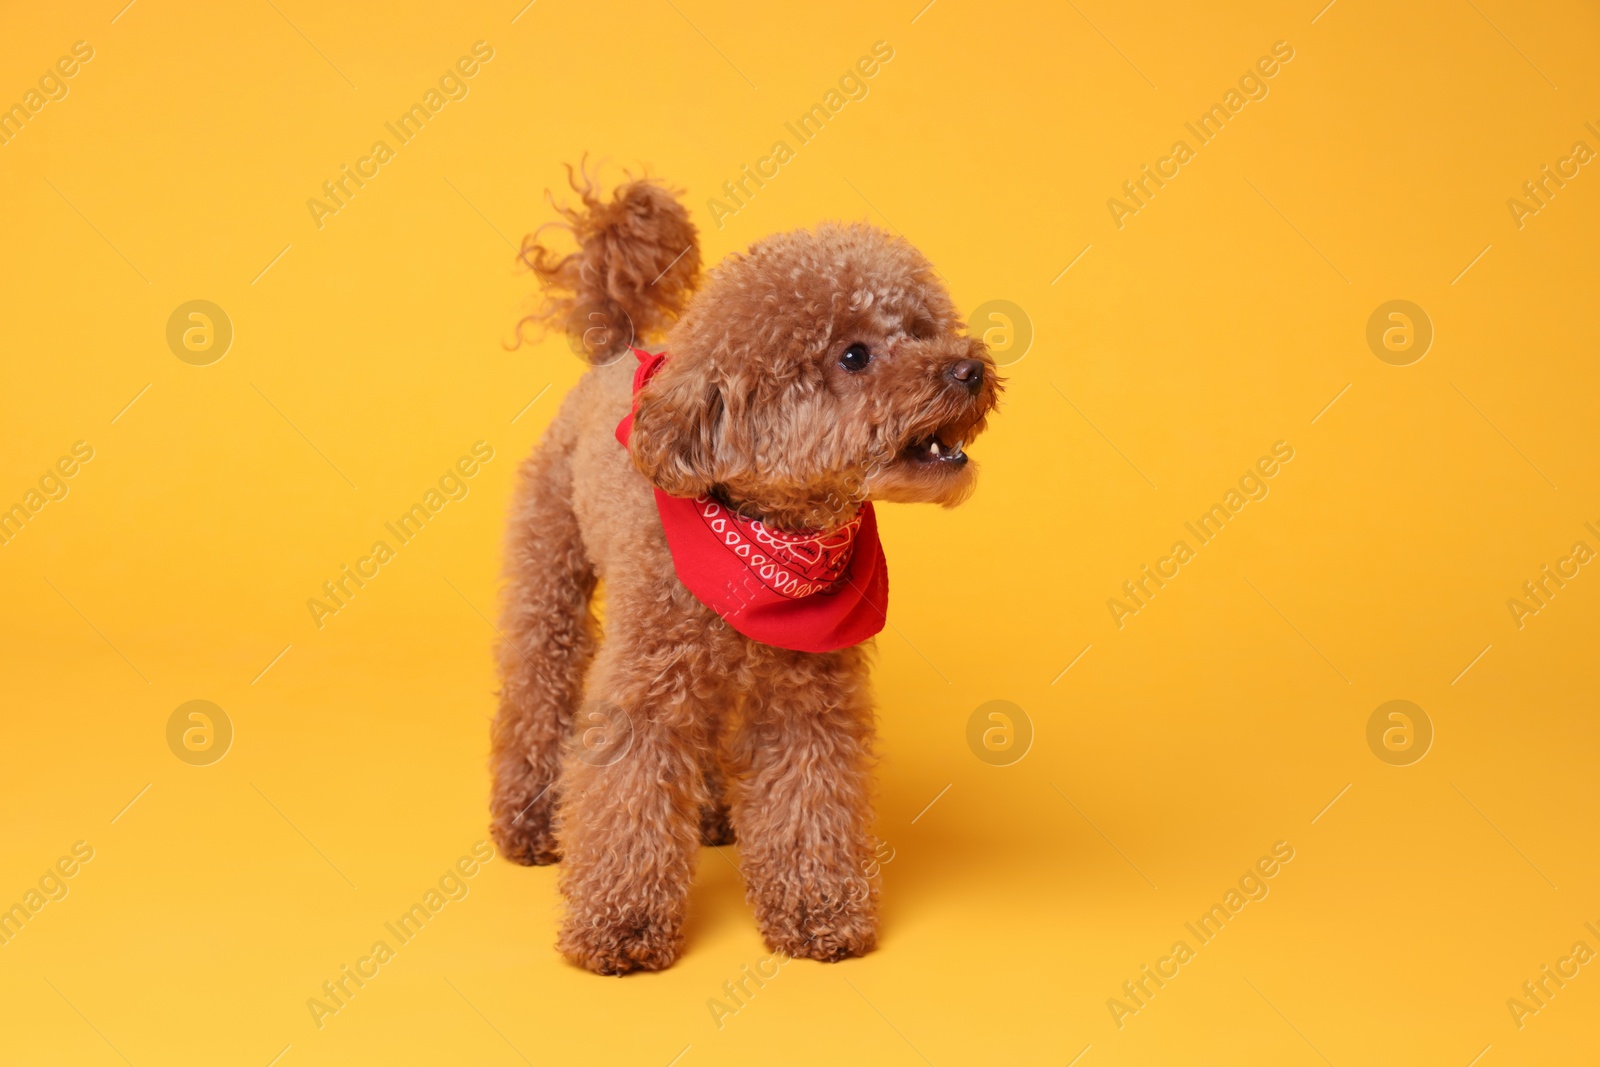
pixel 636 265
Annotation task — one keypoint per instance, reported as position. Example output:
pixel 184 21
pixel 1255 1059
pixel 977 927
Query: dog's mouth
pixel 931 466
pixel 943 447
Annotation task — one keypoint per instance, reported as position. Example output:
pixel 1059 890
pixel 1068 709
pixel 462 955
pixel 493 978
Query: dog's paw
pixel 715 826
pixel 529 847
pixel 525 835
pixel 620 946
pixel 827 928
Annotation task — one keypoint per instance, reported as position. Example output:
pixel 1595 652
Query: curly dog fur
pixel 620 757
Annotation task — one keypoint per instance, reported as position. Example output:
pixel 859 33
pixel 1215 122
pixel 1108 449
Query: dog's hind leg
pixel 547 642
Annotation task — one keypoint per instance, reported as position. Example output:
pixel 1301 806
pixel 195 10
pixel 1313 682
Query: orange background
pixel 1229 313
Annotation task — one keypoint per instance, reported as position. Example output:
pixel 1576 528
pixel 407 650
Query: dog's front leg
pixel 802 806
pixel 629 816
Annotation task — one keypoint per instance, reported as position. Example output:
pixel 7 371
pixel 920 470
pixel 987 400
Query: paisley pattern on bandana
pixel 790 564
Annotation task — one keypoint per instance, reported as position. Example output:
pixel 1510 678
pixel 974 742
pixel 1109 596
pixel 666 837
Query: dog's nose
pixel 967 372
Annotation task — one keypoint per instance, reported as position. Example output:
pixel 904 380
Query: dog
pixel 718 497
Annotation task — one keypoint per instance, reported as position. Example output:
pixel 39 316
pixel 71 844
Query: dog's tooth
pixel 933 446
pixel 957 446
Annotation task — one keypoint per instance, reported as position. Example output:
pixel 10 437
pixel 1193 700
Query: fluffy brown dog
pixel 822 369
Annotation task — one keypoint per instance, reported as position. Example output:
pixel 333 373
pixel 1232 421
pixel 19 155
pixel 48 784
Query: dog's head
pixel 821 369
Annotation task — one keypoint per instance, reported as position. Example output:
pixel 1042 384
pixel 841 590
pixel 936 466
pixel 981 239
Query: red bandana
pixel 806 591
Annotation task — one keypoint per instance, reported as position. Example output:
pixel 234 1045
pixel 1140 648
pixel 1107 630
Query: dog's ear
pixel 677 439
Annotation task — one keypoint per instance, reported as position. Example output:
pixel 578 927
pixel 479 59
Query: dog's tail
pixel 636 264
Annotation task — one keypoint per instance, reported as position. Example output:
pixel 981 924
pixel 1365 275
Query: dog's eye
pixel 856 357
